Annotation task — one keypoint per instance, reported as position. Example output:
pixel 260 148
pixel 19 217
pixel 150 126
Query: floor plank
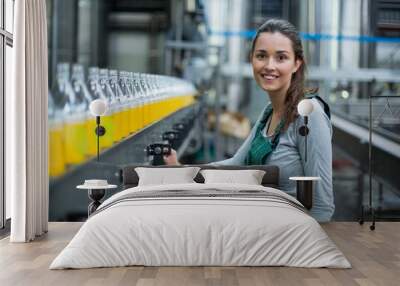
pixel 374 255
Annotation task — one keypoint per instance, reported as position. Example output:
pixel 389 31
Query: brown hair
pixel 296 91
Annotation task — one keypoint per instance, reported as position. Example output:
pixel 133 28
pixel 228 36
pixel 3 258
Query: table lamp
pixel 304 108
pixel 98 107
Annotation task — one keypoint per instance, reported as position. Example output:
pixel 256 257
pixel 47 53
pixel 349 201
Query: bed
pixel 201 224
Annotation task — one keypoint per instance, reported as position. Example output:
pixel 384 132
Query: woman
pixel 279 69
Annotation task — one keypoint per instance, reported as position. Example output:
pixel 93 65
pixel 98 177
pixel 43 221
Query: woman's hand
pixel 171 159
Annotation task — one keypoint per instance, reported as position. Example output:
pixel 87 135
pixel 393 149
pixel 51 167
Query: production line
pixel 134 101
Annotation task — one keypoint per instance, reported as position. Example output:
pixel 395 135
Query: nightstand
pixel 95 194
pixel 304 190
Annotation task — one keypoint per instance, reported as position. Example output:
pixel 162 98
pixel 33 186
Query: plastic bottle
pixel 134 115
pixel 97 92
pixel 118 111
pixel 126 102
pixel 85 97
pixel 112 103
pixel 140 94
pixel 146 100
pixel 111 122
pixel 74 113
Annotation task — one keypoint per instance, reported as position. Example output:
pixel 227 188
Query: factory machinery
pixel 146 116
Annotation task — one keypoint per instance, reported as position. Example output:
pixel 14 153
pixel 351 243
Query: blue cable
pixel 249 34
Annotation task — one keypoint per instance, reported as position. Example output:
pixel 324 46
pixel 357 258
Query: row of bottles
pixel 134 100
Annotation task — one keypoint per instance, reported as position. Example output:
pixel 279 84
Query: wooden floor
pixel 374 255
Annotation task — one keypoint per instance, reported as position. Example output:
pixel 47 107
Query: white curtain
pixel 27 124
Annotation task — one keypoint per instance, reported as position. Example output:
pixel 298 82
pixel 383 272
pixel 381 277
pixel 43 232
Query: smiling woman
pixel 279 69
pixel 274 62
pixel 279 66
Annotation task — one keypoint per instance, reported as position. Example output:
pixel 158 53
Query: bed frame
pixel 130 178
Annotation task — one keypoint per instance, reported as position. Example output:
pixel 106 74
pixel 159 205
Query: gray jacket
pixel 289 157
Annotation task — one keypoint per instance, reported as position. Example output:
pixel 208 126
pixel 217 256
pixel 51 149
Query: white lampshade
pixel 305 107
pixel 98 107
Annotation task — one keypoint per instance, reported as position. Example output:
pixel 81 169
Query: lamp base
pixel 304 190
pixel 303 130
pixel 100 130
pixel 304 193
pixel 95 196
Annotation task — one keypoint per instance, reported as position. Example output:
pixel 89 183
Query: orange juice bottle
pixel 127 119
pixel 120 105
pixel 167 110
pixel 125 99
pixel 159 109
pixel 152 109
pixel 110 119
pixel 139 117
pixel 75 138
pixel 107 122
pixel 116 122
pixel 163 107
pixel 132 123
pixel 135 103
pixel 91 135
pixel 84 97
pixel 147 93
pixel 126 85
pixel 68 99
pixel 176 103
pixel 145 111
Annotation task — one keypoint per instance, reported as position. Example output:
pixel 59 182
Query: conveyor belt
pixel 362 133
pixel 353 138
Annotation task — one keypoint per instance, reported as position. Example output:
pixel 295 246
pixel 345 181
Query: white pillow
pixel 249 177
pixel 163 176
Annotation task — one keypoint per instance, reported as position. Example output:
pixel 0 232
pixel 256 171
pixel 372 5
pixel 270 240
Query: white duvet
pixel 185 231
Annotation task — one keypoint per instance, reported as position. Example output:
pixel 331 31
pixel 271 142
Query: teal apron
pixel 261 146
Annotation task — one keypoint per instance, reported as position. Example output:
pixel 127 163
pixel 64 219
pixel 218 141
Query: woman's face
pixel 274 62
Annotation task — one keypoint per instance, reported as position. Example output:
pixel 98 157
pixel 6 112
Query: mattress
pixel 201 225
